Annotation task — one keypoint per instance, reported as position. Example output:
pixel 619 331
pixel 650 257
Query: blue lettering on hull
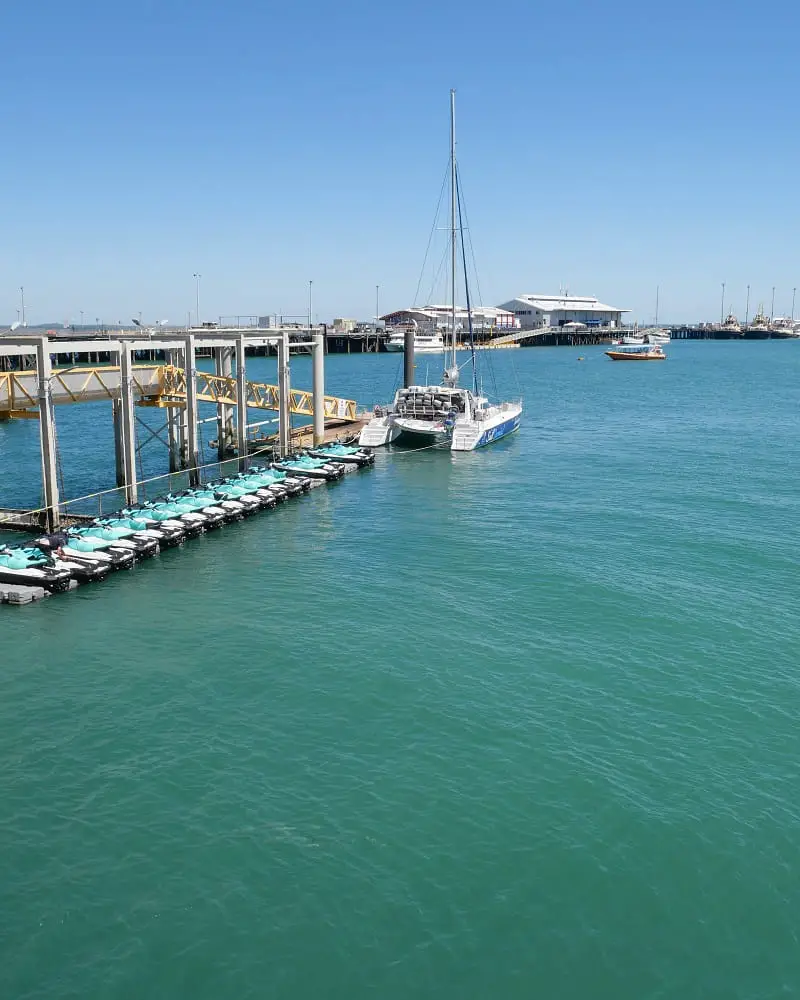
pixel 498 432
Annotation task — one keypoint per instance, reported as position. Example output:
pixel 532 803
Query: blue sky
pixel 608 148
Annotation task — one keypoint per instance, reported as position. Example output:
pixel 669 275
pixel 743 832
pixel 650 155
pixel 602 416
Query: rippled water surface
pixel 514 724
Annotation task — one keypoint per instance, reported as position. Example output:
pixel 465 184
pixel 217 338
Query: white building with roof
pixel 541 311
pixel 484 318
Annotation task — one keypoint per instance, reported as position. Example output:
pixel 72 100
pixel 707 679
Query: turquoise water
pixel 514 724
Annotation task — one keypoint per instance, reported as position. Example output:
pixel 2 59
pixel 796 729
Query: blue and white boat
pixel 446 415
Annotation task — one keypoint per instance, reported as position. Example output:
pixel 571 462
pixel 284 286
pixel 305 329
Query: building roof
pixel 437 311
pixel 570 303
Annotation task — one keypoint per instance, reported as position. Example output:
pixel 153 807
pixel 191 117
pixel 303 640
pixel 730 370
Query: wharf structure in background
pixel 175 386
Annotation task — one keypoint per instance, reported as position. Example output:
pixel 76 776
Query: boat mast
pixel 453 216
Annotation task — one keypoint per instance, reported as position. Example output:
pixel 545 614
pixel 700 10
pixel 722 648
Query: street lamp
pixel 310 304
pixel 197 278
pixel 772 307
pixel 22 297
pixel 81 317
pixel 722 306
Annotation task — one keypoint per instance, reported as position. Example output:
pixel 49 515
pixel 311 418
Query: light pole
pixel 310 304
pixel 747 308
pixel 772 307
pixel 81 317
pixel 794 291
pixel 22 298
pixel 722 306
pixel 377 310
pixel 197 278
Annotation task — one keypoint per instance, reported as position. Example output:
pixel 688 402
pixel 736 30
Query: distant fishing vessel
pixel 784 328
pixel 759 328
pixel 731 325
pixel 446 415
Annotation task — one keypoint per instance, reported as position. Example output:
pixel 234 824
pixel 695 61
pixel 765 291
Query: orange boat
pixel 643 352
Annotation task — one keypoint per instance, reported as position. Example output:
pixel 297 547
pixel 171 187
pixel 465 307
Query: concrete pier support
pixel 128 424
pixel 223 366
pixel 189 364
pixel 284 389
pixel 47 434
pixel 241 403
pixel 318 386
pixel 408 358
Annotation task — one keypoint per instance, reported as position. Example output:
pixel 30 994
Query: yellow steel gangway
pixel 153 385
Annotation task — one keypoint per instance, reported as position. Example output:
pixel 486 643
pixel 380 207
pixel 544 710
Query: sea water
pixel 519 723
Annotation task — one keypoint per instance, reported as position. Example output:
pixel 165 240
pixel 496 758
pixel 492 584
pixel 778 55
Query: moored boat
pixel 731 326
pixel 29 567
pixel 336 452
pixel 645 352
pixel 446 415
pixel 305 465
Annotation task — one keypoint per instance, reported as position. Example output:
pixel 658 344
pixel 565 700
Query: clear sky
pixel 606 147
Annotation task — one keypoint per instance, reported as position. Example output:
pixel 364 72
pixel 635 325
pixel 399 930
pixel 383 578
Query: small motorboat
pixel 164 537
pixel 143 547
pixel 639 352
pixel 194 522
pixel 294 485
pixel 83 566
pixel 304 465
pixel 336 452
pixel 30 567
pixel 93 550
pixel 205 500
pixel 199 502
pixel 160 520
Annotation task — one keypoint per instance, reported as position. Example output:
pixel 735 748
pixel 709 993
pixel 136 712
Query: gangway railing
pixel 153 385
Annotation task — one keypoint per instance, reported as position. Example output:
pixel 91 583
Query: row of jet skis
pixel 90 552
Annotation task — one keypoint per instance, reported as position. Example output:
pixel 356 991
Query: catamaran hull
pixel 490 435
pixel 423 438
pixel 378 432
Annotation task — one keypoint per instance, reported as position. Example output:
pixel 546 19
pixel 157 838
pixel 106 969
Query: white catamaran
pixel 446 415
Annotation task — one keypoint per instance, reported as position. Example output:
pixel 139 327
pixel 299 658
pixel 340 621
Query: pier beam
pixel 284 390
pixel 47 434
pixel 318 386
pixel 241 404
pixel 223 366
pixel 128 424
pixel 189 363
